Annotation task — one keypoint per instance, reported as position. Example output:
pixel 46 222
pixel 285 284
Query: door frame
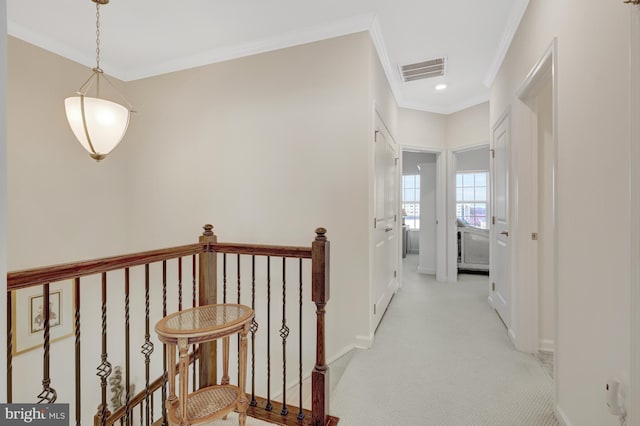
pixel 441 209
pixel 634 165
pixel 452 228
pixel 526 307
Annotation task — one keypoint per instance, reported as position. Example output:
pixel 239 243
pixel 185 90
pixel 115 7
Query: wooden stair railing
pixel 202 259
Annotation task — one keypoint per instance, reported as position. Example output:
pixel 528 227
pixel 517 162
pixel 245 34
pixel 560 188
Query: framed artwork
pixel 28 316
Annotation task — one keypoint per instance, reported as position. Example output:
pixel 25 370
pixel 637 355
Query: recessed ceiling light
pixel 441 86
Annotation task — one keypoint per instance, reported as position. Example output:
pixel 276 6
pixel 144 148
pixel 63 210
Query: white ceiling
pixel 142 38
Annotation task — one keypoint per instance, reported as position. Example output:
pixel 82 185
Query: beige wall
pixel 266 148
pixel 468 127
pixel 593 146
pixel 420 129
pixel 56 192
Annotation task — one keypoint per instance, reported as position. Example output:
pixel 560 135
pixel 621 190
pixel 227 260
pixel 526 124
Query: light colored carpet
pixel 442 357
pixel 232 420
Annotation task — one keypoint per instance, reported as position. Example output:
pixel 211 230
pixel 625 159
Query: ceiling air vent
pixel 422 70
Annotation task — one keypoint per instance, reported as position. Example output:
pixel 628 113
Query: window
pixel 411 201
pixel 471 198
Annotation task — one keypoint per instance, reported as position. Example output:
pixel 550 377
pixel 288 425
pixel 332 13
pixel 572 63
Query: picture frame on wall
pixel 28 320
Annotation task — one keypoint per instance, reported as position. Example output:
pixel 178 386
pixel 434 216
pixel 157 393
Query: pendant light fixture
pixel 98 124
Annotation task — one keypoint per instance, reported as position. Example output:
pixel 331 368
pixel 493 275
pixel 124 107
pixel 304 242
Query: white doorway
pixel 422 209
pixel 538 309
pixel 469 210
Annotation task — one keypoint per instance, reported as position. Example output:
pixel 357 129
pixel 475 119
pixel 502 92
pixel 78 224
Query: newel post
pixel 320 296
pixel 207 295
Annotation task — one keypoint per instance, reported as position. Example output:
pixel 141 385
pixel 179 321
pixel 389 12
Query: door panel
pixel 500 292
pixel 385 259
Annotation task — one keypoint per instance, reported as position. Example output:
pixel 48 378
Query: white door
pixel 385 257
pixel 499 277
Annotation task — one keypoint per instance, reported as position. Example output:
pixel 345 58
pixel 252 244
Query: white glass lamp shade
pixel 102 126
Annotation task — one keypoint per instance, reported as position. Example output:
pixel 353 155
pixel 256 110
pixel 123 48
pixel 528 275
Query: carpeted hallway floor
pixel 442 357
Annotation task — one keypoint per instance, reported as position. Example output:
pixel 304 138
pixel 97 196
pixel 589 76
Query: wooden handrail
pixel 48 274
pixel 206 248
pixel 262 250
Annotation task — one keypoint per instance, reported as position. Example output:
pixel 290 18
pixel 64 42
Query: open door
pixel 498 276
pixel 385 251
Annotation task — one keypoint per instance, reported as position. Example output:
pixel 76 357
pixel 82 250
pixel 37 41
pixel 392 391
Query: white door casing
pixel 499 254
pixel 385 251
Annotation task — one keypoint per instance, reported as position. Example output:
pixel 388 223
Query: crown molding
pixel 517 13
pixel 451 109
pixel 361 23
pixel 335 29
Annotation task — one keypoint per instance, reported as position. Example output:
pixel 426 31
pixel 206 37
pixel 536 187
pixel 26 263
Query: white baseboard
pixel 429 271
pixel 340 354
pixel 364 342
pixel 546 345
pixel 561 416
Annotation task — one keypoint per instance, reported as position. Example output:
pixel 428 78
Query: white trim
pixel 295 38
pixel 467 103
pixel 364 342
pixel 441 272
pixel 526 307
pixel 517 13
pixel 561 416
pixel 634 403
pixel 546 345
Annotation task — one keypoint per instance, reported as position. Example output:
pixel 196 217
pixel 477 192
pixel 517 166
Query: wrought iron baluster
pixel 164 347
pixel 147 347
pixel 254 329
pixel 76 290
pixel 48 394
pixel 9 349
pixel 300 412
pixel 127 346
pixel 238 291
pixel 224 277
pixel 284 333
pixel 179 283
pixel 194 372
pixel 104 369
pixel 269 406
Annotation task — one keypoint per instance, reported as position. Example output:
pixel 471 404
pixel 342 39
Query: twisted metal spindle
pixel 224 278
pixel 254 328
pixel 194 295
pixel 238 294
pixel 48 394
pixel 76 288
pixel 127 345
pixel 147 346
pixel 104 369
pixel 164 347
pixel 179 283
pixel 269 406
pixel 9 349
pixel 284 333
pixel 300 412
